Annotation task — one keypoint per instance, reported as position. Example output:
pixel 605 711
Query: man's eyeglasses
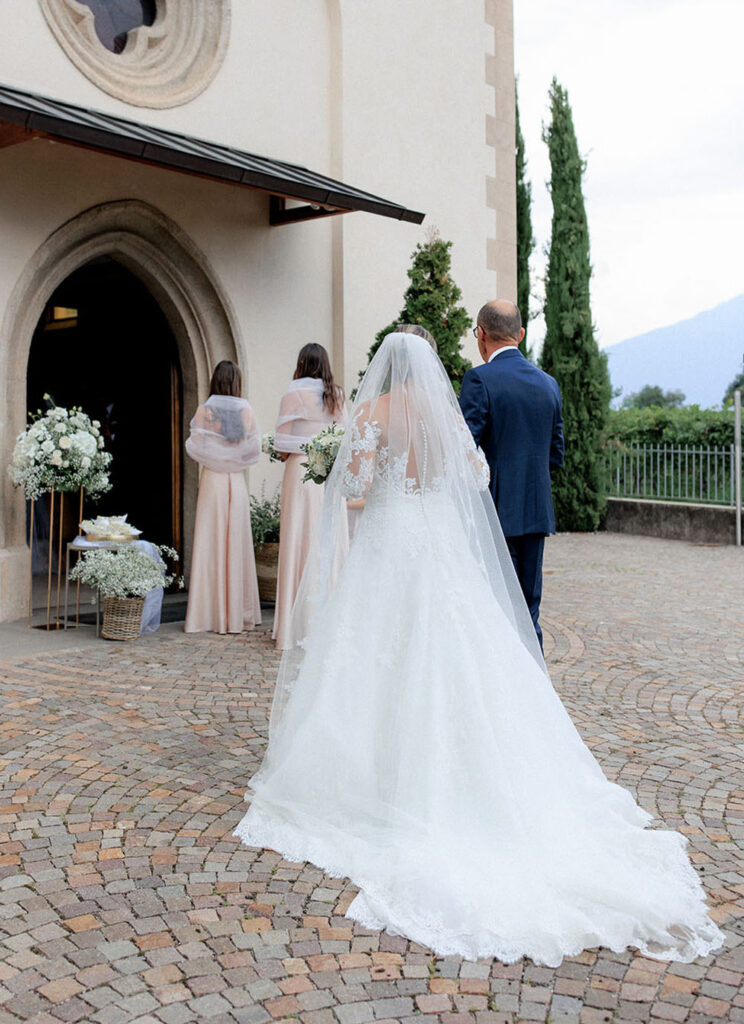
pixel 475 333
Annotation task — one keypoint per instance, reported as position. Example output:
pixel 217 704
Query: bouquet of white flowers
pixel 62 450
pixel 321 453
pixel 267 447
pixel 125 571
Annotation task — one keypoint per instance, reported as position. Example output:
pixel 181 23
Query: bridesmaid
pixel 223 592
pixel 311 402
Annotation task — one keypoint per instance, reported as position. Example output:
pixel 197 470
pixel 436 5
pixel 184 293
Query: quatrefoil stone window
pixel 113 20
pixel 150 53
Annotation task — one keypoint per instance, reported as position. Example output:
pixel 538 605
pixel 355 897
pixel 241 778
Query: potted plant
pixel 265 514
pixel 123 576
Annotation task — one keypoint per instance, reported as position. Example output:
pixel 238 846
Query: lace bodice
pixel 370 464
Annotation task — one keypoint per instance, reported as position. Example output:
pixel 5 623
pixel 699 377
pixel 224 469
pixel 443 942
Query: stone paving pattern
pixel 124 897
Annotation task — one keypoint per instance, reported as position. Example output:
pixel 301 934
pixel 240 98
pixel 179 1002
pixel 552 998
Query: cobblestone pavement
pixel 123 896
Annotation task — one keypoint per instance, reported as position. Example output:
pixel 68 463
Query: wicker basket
pixel 122 617
pixel 267 570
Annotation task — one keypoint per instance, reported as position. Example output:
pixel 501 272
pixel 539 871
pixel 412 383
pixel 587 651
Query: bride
pixel 416 743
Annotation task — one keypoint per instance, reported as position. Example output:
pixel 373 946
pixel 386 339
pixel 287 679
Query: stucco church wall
pixel 270 95
pixel 396 98
pixel 276 279
pixel 409 100
pixel 414 126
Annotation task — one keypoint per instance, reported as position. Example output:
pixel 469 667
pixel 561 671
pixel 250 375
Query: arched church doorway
pixel 104 343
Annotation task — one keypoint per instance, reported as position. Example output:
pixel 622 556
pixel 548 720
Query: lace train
pixel 424 754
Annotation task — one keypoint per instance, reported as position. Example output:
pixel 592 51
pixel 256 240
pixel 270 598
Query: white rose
pixel 97 424
pixel 84 442
pixel 100 442
pixel 65 442
pixel 65 464
pixel 56 459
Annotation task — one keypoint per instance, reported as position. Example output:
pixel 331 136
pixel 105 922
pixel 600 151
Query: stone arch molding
pixel 172 267
pixel 162 65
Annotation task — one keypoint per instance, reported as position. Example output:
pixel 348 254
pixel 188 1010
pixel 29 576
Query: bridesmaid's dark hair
pixel 228 380
pixel 313 362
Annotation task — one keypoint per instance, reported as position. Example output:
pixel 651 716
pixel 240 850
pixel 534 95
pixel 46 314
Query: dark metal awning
pixel 25 115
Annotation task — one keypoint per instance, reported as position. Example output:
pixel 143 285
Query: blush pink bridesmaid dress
pixel 302 414
pixel 223 588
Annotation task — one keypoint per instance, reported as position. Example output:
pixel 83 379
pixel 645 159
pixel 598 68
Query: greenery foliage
pixel 570 352
pixel 265 514
pixel 689 425
pixel 652 395
pixel 431 300
pixel 525 238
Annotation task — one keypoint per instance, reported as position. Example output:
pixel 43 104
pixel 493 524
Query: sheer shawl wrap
pixel 302 415
pixel 406 440
pixel 224 435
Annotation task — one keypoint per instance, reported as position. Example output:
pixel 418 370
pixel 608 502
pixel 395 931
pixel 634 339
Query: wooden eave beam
pixel 279 213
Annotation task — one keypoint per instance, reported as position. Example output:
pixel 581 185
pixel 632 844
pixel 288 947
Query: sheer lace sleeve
pixel 476 458
pixel 360 466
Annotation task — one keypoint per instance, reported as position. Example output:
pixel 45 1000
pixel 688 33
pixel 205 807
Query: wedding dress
pixel 416 743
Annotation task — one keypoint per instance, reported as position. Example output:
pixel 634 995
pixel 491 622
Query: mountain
pixel 699 356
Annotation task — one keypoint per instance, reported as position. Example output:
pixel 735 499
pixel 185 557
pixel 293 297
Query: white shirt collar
pixel 498 352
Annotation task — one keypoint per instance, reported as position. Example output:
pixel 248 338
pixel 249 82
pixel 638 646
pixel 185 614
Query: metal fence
pixel 674 473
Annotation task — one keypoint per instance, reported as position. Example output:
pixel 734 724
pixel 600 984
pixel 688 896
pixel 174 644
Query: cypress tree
pixel 431 300
pixel 525 238
pixel 570 352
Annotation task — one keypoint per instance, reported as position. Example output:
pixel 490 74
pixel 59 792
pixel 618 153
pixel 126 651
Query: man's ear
pixel 521 335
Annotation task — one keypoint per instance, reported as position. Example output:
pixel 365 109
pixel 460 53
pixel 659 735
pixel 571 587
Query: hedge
pixel 688 425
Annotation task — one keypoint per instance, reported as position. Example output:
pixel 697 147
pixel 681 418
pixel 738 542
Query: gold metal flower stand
pixel 56 539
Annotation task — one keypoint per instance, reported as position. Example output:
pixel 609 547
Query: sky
pixel 657 93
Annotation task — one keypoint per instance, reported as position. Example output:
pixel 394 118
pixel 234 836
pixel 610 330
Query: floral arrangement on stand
pixel 124 576
pixel 267 447
pixel 321 452
pixel 61 450
pixel 125 572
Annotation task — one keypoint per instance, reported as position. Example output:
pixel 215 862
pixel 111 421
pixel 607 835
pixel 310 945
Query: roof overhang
pixel 25 116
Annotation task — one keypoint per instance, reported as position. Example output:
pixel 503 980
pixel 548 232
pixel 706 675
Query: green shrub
pixel 689 425
pixel 265 518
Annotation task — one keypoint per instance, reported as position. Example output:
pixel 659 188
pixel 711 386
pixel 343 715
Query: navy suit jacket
pixel 514 413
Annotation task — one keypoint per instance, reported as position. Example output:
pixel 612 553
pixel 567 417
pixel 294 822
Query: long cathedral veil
pixel 406 440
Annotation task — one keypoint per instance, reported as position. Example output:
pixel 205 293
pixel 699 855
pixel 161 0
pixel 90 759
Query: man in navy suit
pixel 514 413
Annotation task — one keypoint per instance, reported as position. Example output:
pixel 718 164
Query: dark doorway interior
pixel 104 344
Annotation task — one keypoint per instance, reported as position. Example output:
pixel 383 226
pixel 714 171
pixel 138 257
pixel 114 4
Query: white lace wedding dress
pixel 417 745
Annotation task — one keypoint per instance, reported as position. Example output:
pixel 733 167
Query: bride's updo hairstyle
pixel 418 330
pixel 313 362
